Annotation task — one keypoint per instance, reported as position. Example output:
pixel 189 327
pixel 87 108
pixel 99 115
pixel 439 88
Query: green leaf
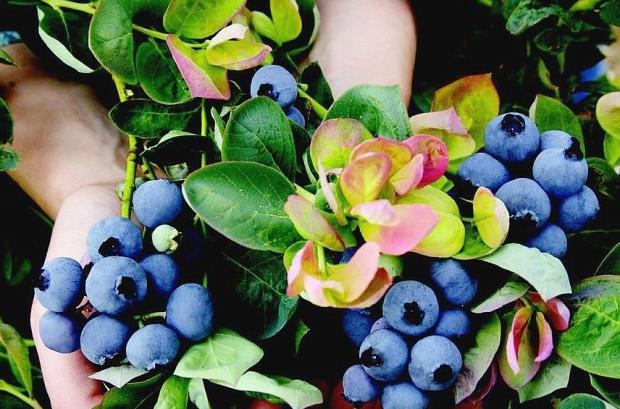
pixel 198 394
pixel 147 119
pixel 6 123
pixel 478 358
pixel 591 341
pixel 259 286
pixel 158 74
pixel 583 401
pixel 284 24
pixel 511 291
pixel 223 357
pixel 551 114
pixel 5 58
pixel 135 395
pixel 610 13
pixel 379 108
pixel 65 33
pixel 258 131
pixel 8 158
pixel 525 16
pixel 173 393
pixel 18 355
pixel 300 333
pixel 474 247
pixel 118 375
pixel 543 271
pixel 611 149
pixel 297 394
pixel 244 201
pixel 608 388
pixel 554 375
pixel 200 19
pixel 611 262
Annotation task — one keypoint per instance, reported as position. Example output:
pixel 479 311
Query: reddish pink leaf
pixel 513 343
pixel 304 263
pixel 311 224
pixel 376 212
pixel 409 176
pixel 375 290
pixel 435 156
pixel 363 179
pixel 355 276
pixel 398 152
pixel 475 400
pixel 545 338
pixel 555 310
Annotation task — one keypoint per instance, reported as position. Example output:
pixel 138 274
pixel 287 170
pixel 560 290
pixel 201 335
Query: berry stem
pixel 129 184
pixel 147 168
pixel 318 109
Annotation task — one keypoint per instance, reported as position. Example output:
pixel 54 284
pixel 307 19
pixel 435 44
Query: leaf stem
pixel 129 184
pixel 320 254
pixel 203 131
pixel 318 109
pixel 147 168
pixel 151 33
pixel 13 390
pixel 304 193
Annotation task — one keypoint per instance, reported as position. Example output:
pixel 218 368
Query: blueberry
pixel 348 254
pixel 60 285
pixel 60 332
pixel 453 281
pixel 162 275
pixel 483 170
pixel 114 236
pixel 384 355
pixel 157 202
pixel 512 138
pixel 115 285
pixel 275 82
pixel 103 339
pixel 555 139
pixel 356 324
pixel 550 239
pixel 527 203
pixel 411 308
pixel 561 172
pixel 435 363
pixel 358 386
pixel 452 324
pixel 296 116
pixel 152 346
pixel 403 396
pixel 576 211
pixel 381 323
pixel 190 312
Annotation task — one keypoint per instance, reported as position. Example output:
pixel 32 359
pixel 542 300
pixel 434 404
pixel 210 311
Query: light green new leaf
pixel 173 394
pixel 551 114
pixel 284 24
pixel 611 149
pixel 200 18
pixel 553 375
pixel 198 394
pixel 134 395
pixel 118 375
pixel 511 291
pixel 18 354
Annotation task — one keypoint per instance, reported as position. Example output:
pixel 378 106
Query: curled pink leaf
pixel 355 276
pixel 409 176
pixel 363 179
pixel 398 152
pixel 304 263
pixel 519 324
pixel 447 126
pixel 375 290
pixel 311 224
pixel 377 212
pixel 545 338
pixel 554 309
pixel 435 156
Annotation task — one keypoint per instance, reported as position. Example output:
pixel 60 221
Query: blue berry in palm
pixel 381 323
pixel 555 140
pixel 384 355
pixel 452 324
pixel 275 82
pixel 576 211
pixel 550 239
pixel 60 332
pixel 157 202
pixel 561 172
pixel 162 275
pixel 358 386
pixel 403 395
pixel 114 236
pixel 435 363
pixel 60 284
pixel 453 281
pixel 103 339
pixel 115 285
pixel 527 203
pixel 296 116
pixel 411 308
pixel 152 346
pixel 512 138
pixel 356 324
pixel 483 170
pixel 190 312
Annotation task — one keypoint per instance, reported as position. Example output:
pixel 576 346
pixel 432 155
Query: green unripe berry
pixel 166 238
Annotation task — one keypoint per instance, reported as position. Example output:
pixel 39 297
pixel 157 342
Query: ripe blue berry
pixel 381 323
pixel 60 284
pixel 453 281
pixel 115 285
pixel 296 116
pixel 561 172
pixel 576 211
pixel 190 312
pixel 512 138
pixel 60 332
pixel 358 386
pixel 384 355
pixel 152 346
pixel 411 308
pixel 162 275
pixel 114 236
pixel 555 140
pixel 103 339
pixel 527 203
pixel 483 170
pixel 550 239
pixel 435 363
pixel 356 324
pixel 275 82
pixel 403 396
pixel 452 324
pixel 157 202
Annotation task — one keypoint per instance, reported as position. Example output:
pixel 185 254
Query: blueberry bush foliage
pixel 278 201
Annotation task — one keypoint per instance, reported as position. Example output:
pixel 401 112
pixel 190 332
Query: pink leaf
pixel 376 212
pixel 555 310
pixel 304 263
pixel 363 179
pixel 435 156
pixel 475 400
pixel 545 338
pixel 513 342
pixel 447 126
pixel 409 176
pixel 311 224
pixel 375 290
pixel 355 276
pixel 398 152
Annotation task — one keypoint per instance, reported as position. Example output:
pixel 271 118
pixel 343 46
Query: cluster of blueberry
pixel 411 351
pixel 122 281
pixel 277 83
pixel 548 195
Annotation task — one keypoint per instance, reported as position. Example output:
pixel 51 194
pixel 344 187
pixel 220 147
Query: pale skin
pixel 72 156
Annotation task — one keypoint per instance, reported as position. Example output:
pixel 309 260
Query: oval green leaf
pixel 553 375
pixel 200 19
pixel 583 401
pixel 118 375
pixel 18 355
pixel 551 114
pixel 173 393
